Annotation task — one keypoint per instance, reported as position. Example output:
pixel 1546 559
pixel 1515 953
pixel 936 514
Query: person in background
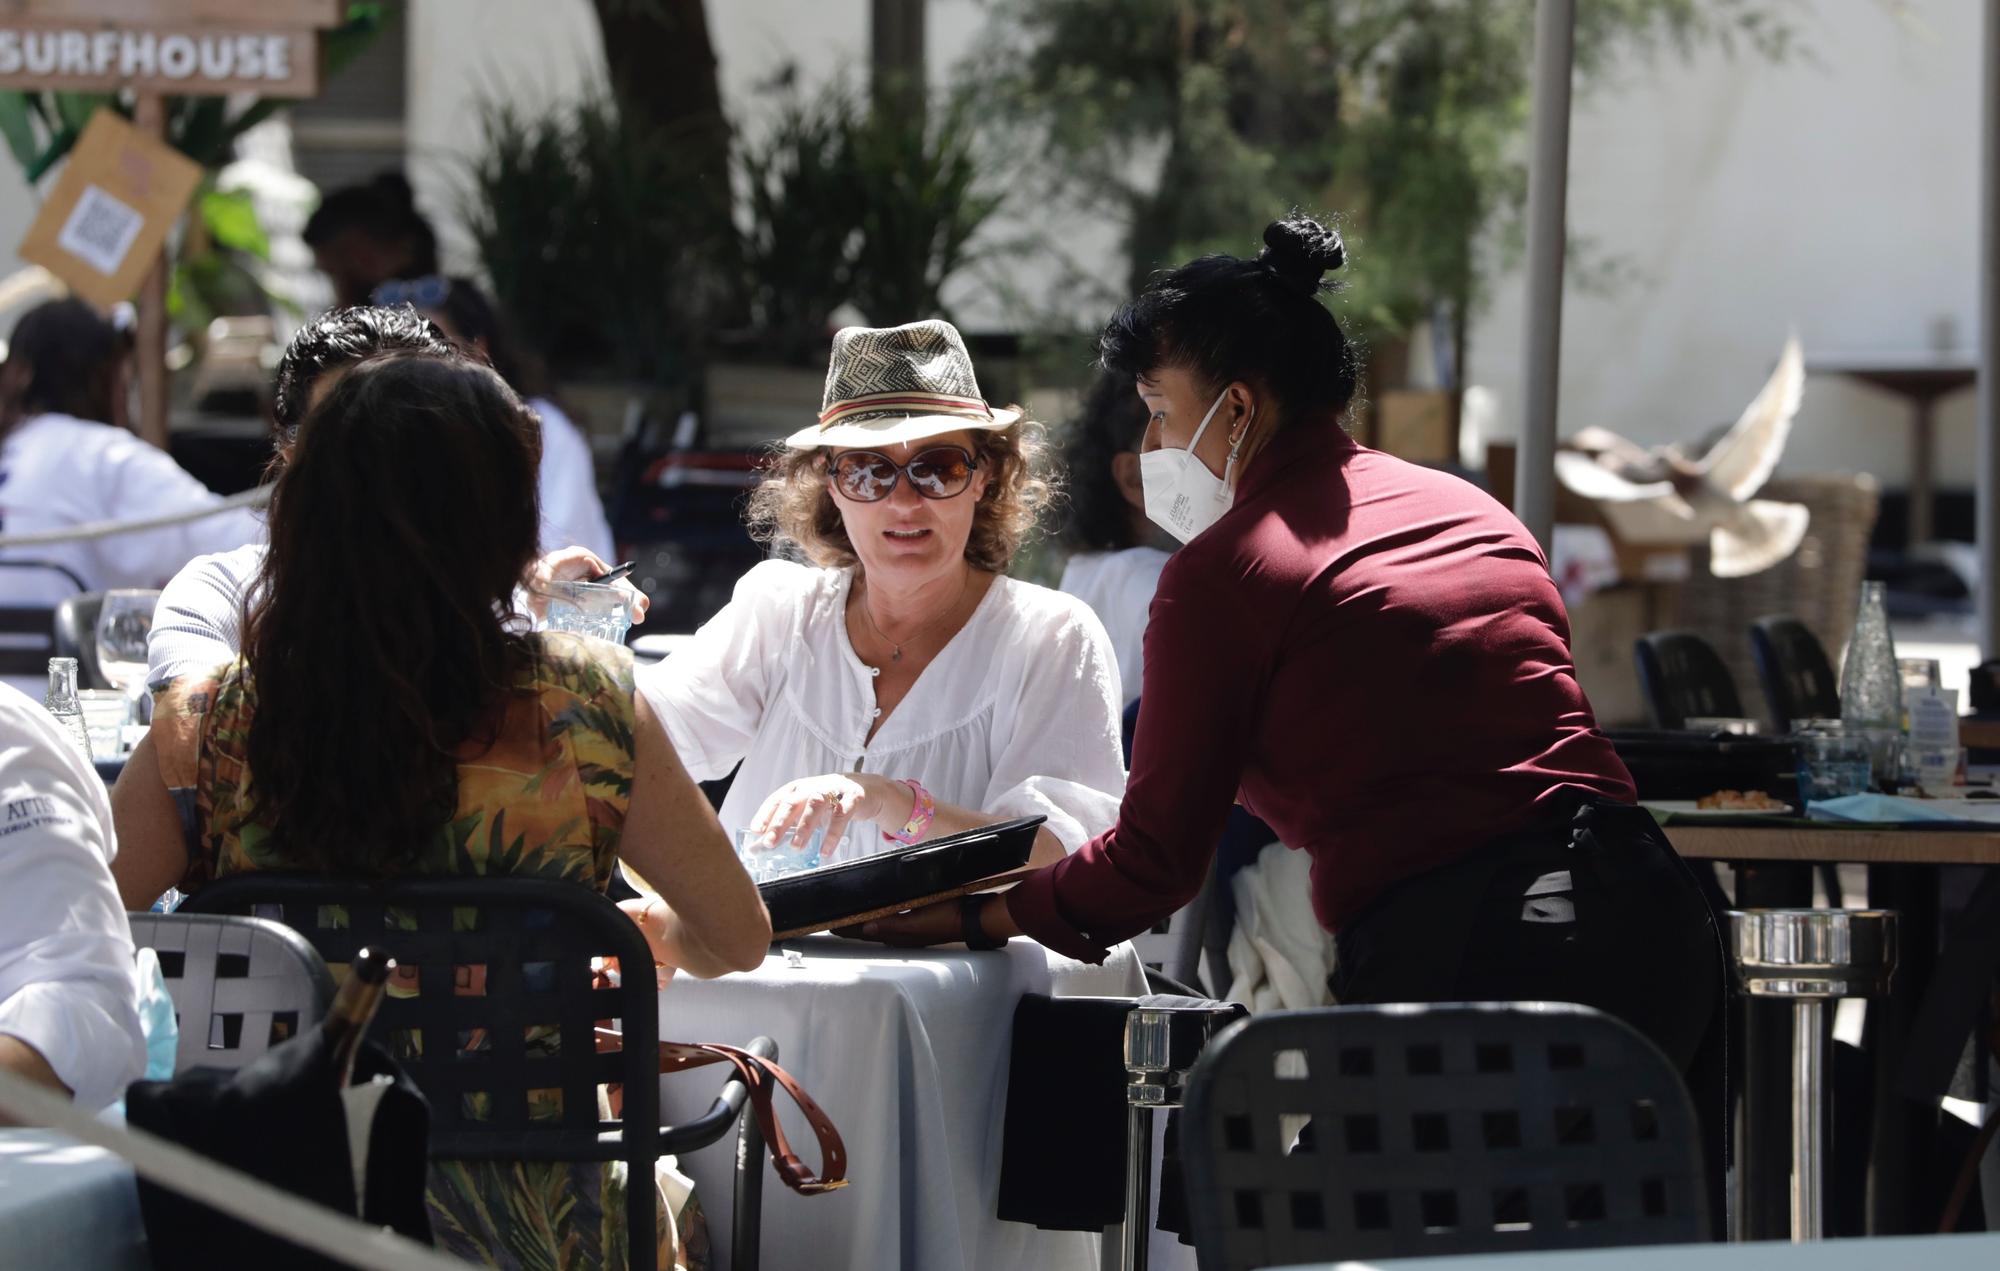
pixel 572 514
pixel 67 460
pixel 1116 553
pixel 902 686
pixel 69 995
pixel 1370 656
pixel 364 235
pixel 198 623
pixel 385 719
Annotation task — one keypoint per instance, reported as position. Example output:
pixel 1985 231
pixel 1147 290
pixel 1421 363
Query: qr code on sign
pixel 100 230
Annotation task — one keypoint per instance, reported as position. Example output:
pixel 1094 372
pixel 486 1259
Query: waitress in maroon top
pixel 1370 656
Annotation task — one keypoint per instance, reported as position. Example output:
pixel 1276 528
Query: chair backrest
pixel 76 636
pixel 1798 679
pixel 1682 676
pixel 1434 1131
pixel 240 985
pixel 495 957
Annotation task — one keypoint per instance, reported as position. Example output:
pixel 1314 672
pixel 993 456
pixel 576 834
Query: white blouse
pixel 1118 587
pixel 1017 716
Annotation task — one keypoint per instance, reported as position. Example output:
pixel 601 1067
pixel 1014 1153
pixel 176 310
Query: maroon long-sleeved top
pixel 1371 656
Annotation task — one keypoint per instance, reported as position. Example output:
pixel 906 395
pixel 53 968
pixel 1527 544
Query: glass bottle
pixel 1871 686
pixel 63 703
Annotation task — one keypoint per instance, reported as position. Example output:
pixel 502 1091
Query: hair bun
pixel 1299 250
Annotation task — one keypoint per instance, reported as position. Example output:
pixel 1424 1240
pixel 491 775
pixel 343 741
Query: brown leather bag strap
pixel 762 1077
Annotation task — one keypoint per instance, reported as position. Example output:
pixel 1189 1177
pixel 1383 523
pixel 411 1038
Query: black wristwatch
pixel 968 922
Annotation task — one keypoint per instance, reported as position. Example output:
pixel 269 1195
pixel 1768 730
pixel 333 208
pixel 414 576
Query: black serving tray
pixel 833 894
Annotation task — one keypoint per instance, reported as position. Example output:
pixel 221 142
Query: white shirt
pixel 67 984
pixel 198 623
pixel 1016 716
pixel 572 515
pixel 56 472
pixel 1118 587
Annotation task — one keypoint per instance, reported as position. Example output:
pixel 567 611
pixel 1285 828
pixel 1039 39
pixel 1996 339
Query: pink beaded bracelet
pixel 923 809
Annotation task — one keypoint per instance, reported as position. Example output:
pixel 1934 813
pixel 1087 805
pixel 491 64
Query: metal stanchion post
pixel 1808 957
pixel 1161 1045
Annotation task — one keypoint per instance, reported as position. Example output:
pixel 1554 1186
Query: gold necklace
pixel 896 649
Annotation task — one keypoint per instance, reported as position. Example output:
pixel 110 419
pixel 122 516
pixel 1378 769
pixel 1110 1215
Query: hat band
pixel 904 403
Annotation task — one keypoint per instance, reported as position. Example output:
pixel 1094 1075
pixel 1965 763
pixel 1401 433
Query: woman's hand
pixel 646 913
pixel 798 808
pixel 576 565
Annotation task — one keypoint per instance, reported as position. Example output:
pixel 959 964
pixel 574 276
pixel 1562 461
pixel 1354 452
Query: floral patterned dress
pixel 546 799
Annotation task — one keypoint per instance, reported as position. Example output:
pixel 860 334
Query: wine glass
pixel 122 626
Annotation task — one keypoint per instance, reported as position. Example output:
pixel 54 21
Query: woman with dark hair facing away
pixel 67 459
pixel 572 514
pixel 198 622
pixel 363 235
pixel 1371 657
pixel 1116 554
pixel 386 718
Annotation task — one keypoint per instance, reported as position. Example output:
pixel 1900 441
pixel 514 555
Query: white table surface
pixel 64 1204
pixel 907 1051
pixel 1880 1253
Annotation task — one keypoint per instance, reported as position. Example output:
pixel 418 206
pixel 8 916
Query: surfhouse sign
pixel 177 47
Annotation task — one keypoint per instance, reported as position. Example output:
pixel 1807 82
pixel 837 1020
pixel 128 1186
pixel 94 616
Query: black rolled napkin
pixel 280 1119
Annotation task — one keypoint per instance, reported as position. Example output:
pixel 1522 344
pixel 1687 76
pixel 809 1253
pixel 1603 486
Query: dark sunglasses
pixel 942 472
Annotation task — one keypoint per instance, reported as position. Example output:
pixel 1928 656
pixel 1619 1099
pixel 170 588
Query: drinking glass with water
pixel 597 610
pixel 781 860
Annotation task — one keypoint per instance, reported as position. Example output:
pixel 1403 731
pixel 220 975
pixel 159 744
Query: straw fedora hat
pixel 886 386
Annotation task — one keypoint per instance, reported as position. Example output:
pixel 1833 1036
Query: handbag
pixel 762 1078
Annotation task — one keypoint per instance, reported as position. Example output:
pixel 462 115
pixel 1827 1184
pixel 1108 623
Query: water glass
pixel 123 624
pixel 1833 764
pixel 781 861
pixel 104 713
pixel 597 610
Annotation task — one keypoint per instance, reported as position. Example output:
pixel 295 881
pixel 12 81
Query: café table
pixel 907 1051
pixel 66 1204
pixel 1772 860
pixel 1932 1253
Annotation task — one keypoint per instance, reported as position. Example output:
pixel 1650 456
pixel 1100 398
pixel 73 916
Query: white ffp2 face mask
pixel 1182 496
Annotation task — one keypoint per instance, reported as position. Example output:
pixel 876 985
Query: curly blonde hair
pixel 793 505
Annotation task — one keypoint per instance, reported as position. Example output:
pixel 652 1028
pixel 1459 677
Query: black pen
pixel 613 574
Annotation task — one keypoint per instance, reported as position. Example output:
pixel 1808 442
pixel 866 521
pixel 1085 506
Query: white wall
pixel 1837 193
pixel 529 53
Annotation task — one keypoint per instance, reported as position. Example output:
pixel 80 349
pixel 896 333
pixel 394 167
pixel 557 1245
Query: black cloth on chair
pixel 1062 1160
pixel 281 1120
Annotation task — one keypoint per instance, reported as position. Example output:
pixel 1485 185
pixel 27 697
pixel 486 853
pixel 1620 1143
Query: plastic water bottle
pixel 62 702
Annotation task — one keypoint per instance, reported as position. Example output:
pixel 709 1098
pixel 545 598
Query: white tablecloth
pixel 1878 1253
pixel 63 1204
pixel 907 1051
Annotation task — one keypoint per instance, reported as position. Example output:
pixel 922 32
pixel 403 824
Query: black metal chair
pixel 1433 1131
pixel 27 632
pixel 76 637
pixel 1683 677
pixel 240 985
pixel 496 957
pixel 1792 666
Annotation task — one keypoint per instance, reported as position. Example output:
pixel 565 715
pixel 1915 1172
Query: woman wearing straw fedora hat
pixel 900 686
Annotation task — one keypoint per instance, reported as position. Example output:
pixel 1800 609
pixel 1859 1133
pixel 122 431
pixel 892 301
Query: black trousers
pixel 1592 907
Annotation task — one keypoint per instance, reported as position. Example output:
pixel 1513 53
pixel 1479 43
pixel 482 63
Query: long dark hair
pixel 1111 423
pixel 398 533
pixel 1224 318
pixel 64 357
